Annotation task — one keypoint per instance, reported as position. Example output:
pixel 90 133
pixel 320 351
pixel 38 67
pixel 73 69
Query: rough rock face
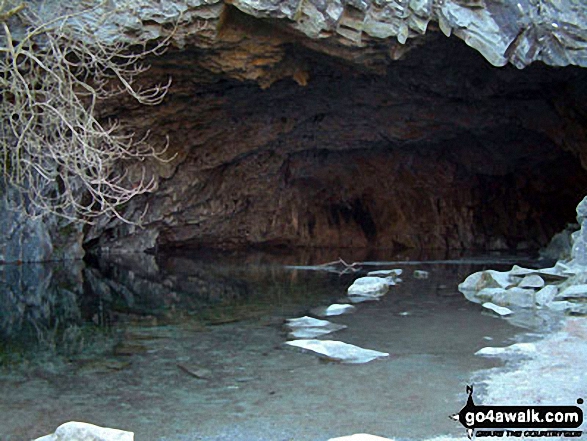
pixel 443 151
pixel 399 137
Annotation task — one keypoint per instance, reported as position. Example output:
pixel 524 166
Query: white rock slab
pixel 501 310
pixel 78 431
pixel 309 327
pixel 573 292
pixel 517 348
pixel 338 350
pixel 333 310
pixel 421 274
pixel 386 273
pixel 531 281
pixel 546 295
pixel 368 286
pixel 554 273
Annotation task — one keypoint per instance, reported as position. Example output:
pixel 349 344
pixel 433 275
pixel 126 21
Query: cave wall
pixel 441 150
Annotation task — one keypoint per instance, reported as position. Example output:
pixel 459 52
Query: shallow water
pixel 114 344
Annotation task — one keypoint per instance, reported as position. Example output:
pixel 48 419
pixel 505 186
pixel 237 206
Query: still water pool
pixel 191 348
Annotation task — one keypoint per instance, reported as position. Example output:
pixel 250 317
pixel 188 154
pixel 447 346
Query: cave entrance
pixel 441 151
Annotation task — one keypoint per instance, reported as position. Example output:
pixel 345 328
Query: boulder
pixel 79 431
pixel 368 287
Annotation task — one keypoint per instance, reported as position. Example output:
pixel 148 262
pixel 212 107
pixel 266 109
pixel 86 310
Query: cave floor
pixel 174 372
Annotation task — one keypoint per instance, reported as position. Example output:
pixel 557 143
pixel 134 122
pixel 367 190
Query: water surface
pixel 191 348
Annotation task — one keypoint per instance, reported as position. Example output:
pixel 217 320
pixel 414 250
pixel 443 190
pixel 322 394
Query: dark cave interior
pixel 439 151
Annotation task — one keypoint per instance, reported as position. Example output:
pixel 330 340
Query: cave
pixel 438 150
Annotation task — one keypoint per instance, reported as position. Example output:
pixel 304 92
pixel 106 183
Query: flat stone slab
pixel 554 273
pixel 309 327
pixel 573 292
pixel 338 351
pixel 500 310
pixel 386 273
pixel 333 310
pixel 80 431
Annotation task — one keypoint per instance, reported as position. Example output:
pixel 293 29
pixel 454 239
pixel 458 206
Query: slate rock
pixel 501 310
pixel 338 351
pixel 368 287
pixel 333 310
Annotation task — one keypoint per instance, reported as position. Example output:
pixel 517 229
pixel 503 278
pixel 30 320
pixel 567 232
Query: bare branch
pixel 53 148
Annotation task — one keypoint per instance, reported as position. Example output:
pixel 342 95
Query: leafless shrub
pixel 54 150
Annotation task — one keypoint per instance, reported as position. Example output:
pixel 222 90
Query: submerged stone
pixel 421 274
pixel 338 351
pixel 79 431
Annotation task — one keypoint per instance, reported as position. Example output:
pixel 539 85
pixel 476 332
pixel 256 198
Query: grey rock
pixel 501 310
pixel 573 292
pixel 546 295
pixel 78 431
pixel 531 281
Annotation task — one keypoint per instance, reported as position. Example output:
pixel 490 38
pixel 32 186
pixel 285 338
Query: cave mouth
pixel 442 151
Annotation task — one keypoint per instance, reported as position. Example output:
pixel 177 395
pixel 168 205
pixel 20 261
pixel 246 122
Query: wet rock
pixel 333 310
pixel 501 310
pixel 369 287
pixel 531 281
pixel 487 279
pixel 79 431
pixel 546 295
pixel 573 292
pixel 309 327
pixel 338 351
pixel 420 274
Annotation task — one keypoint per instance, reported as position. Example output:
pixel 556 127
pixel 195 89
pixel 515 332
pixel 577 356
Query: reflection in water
pixel 191 347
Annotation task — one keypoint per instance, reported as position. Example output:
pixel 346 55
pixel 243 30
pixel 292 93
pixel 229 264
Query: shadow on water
pixel 186 347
